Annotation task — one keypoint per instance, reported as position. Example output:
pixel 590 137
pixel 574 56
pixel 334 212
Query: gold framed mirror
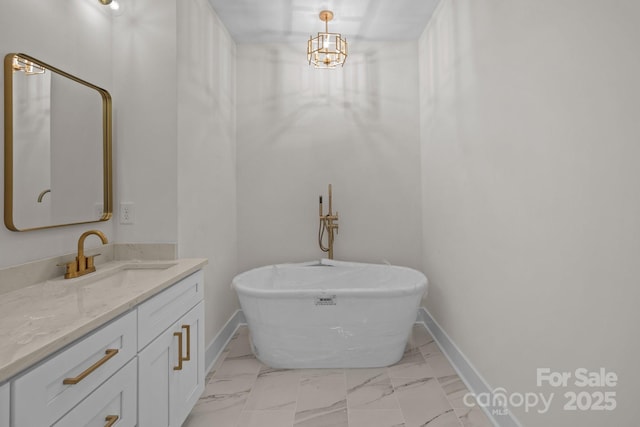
pixel 57 147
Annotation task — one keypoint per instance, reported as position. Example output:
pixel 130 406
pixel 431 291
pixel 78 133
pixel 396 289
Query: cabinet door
pixel 4 405
pixel 189 382
pixel 113 403
pixel 155 369
pixel 169 385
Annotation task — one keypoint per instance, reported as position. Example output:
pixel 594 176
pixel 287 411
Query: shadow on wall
pixel 286 93
pixel 301 128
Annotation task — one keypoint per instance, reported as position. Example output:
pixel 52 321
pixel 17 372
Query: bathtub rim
pixel 243 289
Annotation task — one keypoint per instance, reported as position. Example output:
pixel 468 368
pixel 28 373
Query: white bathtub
pixel 330 314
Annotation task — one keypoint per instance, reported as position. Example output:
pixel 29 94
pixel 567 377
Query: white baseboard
pixel 467 372
pixel 222 339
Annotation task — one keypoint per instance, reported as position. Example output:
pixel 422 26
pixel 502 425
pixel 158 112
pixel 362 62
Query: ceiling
pixel 291 21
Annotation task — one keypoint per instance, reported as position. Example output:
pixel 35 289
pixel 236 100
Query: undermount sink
pixel 120 275
pixel 129 274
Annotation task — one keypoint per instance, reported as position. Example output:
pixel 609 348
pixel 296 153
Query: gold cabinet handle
pixel 107 355
pixel 188 329
pixel 111 420
pixel 180 359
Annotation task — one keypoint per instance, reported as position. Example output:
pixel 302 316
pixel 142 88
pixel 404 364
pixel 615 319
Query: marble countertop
pixel 38 320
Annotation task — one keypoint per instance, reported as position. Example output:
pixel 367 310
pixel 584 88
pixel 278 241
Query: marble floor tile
pixel 222 401
pixel 204 419
pixel 455 390
pixel 412 365
pixel 222 393
pixel 243 366
pixel 473 417
pixel 240 346
pixel 419 337
pixel 422 389
pixel 370 389
pixel 322 399
pixel 320 372
pixel 329 419
pixel 242 330
pixel 446 419
pixel 430 350
pixel 274 390
pixel 265 419
pixel 441 367
pixel 421 400
pixel 217 363
pixel 210 375
pixel 376 418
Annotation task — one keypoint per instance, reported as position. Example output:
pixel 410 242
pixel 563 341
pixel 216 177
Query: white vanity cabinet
pixel 144 368
pixel 171 359
pixel 4 405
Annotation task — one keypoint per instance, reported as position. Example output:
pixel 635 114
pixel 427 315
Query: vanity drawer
pixel 113 403
pixel 161 311
pixel 40 396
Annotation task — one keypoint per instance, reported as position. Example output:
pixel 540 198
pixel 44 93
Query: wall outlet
pixel 127 213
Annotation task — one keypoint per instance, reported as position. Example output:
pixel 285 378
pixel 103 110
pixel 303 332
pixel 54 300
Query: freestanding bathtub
pixel 330 314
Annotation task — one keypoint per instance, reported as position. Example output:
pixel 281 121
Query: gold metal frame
pixel 324 55
pixel 8 143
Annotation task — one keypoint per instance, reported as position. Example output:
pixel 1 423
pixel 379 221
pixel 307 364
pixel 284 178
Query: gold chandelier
pixel 327 50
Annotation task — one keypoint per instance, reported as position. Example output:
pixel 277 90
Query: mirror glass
pixel 57 147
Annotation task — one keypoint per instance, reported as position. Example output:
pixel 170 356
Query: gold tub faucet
pixel 83 265
pixel 328 224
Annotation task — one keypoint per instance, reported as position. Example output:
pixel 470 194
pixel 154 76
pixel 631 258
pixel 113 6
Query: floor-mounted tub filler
pixel 330 314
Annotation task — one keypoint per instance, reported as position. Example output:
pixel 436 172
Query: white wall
pixel 174 125
pixel 529 134
pixel 75 36
pixel 300 129
pixel 206 154
pixel 145 119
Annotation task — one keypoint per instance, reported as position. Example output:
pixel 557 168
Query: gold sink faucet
pixel 327 224
pixel 83 265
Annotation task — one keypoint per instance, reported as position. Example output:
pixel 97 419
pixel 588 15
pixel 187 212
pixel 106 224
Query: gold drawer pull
pixel 111 420
pixel 179 335
pixel 107 355
pixel 188 328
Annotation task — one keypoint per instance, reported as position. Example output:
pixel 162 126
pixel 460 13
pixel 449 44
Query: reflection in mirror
pixel 57 147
